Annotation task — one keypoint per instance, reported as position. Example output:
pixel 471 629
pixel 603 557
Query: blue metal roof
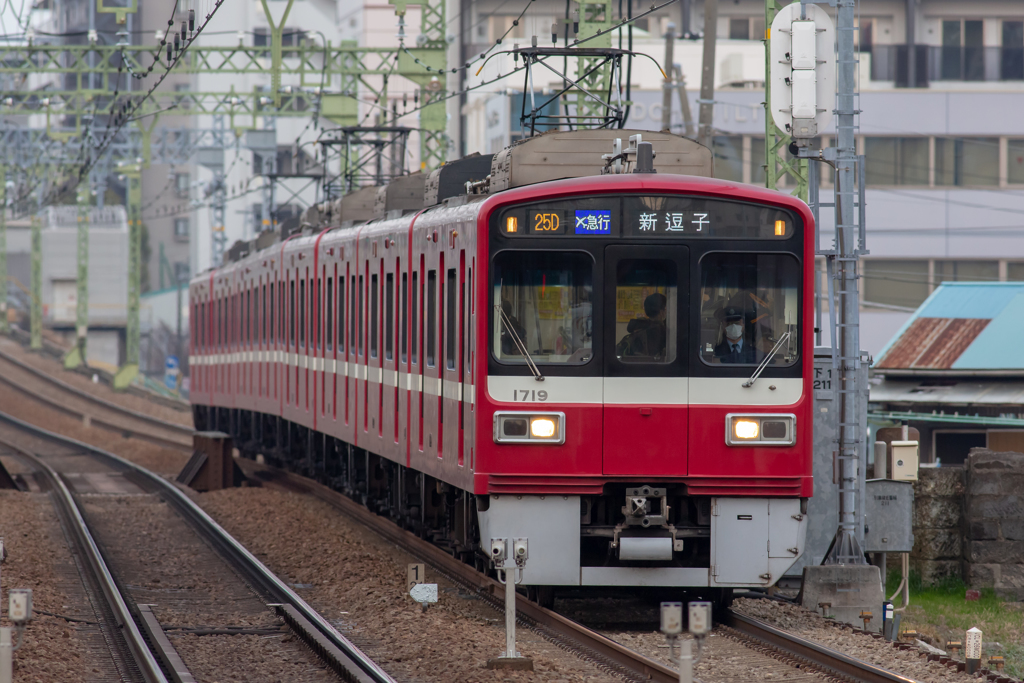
pixel 995 346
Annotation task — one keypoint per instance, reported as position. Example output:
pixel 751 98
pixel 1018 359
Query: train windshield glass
pixel 542 304
pixel 748 304
pixel 645 311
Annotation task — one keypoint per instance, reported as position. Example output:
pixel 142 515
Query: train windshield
pixel 749 302
pixel 542 304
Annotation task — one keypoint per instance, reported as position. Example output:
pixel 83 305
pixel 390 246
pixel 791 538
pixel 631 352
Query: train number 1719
pixel 528 395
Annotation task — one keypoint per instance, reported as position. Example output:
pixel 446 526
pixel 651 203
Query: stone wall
pixel 993 522
pixel 938 508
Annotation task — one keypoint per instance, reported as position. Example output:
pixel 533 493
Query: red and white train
pixel 616 366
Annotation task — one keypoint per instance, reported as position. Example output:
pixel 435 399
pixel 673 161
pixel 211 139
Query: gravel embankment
pixel 38 557
pixel 357 581
pixel 161 561
pixel 53 367
pixel 150 456
pixel 810 625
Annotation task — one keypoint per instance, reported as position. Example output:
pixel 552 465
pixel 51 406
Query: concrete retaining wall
pixel 993 522
pixel 969 522
pixel 938 509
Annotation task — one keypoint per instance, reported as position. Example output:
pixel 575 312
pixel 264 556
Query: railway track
pixel 90 409
pixel 138 643
pixel 806 657
pixel 620 660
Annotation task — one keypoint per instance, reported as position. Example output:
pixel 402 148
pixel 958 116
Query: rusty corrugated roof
pixel 932 343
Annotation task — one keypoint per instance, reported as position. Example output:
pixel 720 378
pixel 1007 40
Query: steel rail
pixel 185 431
pixel 602 649
pixel 337 651
pixel 145 658
pixel 824 658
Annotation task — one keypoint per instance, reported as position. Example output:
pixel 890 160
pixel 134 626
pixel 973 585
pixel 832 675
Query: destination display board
pixel 655 216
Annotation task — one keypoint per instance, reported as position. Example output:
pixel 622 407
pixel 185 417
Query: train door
pixel 645 359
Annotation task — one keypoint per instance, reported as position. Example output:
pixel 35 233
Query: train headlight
pixel 531 428
pixel 760 430
pixel 543 428
pixel 745 429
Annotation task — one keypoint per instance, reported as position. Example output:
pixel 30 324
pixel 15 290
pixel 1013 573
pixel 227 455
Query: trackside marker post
pixel 972 650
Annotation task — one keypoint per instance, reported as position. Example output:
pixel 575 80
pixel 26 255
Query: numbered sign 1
pixel 414 575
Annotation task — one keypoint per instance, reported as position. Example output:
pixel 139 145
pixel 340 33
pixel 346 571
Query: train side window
pixel 749 303
pixel 354 313
pixel 265 318
pixel 373 315
pixel 341 313
pixel 329 308
pixel 319 313
pixel 361 315
pixel 291 314
pixel 271 334
pixel 452 288
pixel 247 324
pixel 404 314
pixel 431 316
pixel 467 308
pixel 415 317
pixel 389 316
pixel 302 313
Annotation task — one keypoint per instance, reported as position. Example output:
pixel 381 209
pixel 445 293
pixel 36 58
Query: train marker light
pixel 511 224
pixel 780 228
pixel 542 427
pixel 745 429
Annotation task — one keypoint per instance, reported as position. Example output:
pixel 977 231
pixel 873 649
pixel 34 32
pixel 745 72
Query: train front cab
pixel 644 454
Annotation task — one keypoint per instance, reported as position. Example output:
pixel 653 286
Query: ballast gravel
pixel 812 626
pixel 54 647
pixel 82 381
pixel 358 582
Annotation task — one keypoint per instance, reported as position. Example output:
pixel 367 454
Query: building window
pixel 963 162
pixel 181 229
pixel 896 161
pixel 183 101
pixel 1015 161
pixel 901 283
pixel 952 448
pixel 963 54
pixel 181 271
pixel 182 184
pixel 499 25
pixel 746 28
pixel 1012 57
pixel 728 157
pixel 966 271
pixel 290 37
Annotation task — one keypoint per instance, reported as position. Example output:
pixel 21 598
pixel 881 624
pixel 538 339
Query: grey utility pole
pixel 846 342
pixel 666 88
pixel 707 79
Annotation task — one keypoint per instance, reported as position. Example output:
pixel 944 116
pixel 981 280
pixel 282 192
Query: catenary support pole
pixel 76 357
pixel 130 369
pixel 707 79
pixel 846 348
pixel 4 327
pixel 36 286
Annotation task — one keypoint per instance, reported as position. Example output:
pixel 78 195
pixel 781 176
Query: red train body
pixel 383 359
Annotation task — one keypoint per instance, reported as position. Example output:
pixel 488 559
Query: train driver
pixel 646 336
pixel 734 347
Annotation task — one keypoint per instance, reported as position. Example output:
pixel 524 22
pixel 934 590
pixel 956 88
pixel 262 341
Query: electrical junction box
pixel 888 516
pixel 906 456
pixel 19 607
pixel 700 618
pixel 671 618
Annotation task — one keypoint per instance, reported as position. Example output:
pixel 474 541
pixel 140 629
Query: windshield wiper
pixel 767 359
pixel 520 346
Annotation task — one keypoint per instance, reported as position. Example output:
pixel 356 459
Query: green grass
pixel 941 612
